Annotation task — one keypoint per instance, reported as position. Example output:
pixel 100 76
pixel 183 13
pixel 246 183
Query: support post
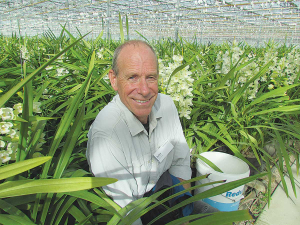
pixel 177 6
pixel 108 18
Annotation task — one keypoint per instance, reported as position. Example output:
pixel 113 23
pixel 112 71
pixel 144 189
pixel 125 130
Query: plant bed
pixel 256 196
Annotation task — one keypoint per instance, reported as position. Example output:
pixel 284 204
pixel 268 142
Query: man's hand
pixel 186 186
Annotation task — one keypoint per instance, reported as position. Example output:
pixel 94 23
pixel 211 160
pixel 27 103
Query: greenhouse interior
pixel 230 68
pixel 253 21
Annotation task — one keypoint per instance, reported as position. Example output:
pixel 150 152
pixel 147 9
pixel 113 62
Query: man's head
pixel 134 75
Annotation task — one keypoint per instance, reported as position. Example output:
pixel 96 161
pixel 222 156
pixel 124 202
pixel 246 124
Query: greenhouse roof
pixel 206 20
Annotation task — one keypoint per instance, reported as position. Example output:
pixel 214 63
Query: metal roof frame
pixel 206 20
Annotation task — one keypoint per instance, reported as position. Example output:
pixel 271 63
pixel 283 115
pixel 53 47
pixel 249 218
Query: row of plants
pixel 52 88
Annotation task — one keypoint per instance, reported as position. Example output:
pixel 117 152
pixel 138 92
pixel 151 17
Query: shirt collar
pixel 134 125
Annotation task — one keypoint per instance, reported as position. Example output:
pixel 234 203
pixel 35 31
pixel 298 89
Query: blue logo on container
pixel 233 194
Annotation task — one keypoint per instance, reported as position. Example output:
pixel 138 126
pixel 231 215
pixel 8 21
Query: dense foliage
pixel 52 88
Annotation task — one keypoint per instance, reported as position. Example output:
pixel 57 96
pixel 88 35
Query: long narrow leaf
pixel 214 218
pixel 66 120
pixel 15 220
pixel 286 157
pixel 4 98
pixel 211 192
pixel 12 210
pixel 121 28
pixel 69 144
pixel 272 94
pixel 290 108
pixel 27 187
pixel 237 95
pixel 88 196
pixel 233 148
pixel 224 218
pixel 19 167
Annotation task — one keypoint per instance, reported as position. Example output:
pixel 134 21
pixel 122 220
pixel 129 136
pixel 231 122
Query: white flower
pixel 4 156
pixel 18 108
pixel 36 107
pixel 99 53
pixel 180 86
pixel 5 127
pixel 49 68
pixel 270 86
pixel 60 71
pixel 69 79
pixel 2 144
pixel 177 58
pixel 14 133
pixel 7 113
pixel 176 98
pixel 185 113
pixel 12 146
pixel 24 53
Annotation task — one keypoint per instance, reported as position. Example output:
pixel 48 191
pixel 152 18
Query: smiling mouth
pixel 140 101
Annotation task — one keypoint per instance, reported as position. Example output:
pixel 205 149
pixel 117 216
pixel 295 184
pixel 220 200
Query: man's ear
pixel 113 79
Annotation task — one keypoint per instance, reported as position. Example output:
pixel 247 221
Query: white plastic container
pixel 233 169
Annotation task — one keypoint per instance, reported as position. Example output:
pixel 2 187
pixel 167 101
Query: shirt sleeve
pixel 101 155
pixel 180 166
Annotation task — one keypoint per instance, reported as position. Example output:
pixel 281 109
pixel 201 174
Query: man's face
pixel 137 81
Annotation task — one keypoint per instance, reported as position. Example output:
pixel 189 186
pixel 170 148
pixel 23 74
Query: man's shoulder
pixel 163 101
pixel 163 98
pixel 108 117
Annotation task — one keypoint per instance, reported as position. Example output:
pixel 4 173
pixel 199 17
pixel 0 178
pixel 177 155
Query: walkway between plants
pixel 283 209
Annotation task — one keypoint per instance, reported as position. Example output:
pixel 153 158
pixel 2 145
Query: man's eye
pixel 152 78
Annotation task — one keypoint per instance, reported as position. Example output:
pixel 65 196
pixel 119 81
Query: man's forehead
pixel 132 52
pixel 136 47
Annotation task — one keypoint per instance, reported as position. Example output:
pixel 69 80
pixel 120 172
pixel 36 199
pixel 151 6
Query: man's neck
pixel 146 126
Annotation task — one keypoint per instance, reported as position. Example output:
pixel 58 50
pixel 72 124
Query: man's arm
pixel 104 164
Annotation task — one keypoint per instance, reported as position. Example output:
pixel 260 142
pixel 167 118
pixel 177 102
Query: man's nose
pixel 143 87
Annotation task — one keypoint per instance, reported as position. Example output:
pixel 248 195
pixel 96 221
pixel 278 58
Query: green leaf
pixel 4 98
pixel 88 196
pixel 127 27
pixel 63 210
pixel 121 28
pixel 12 210
pixel 98 38
pixel 27 187
pixel 272 94
pixel 19 167
pixel 26 113
pixel 39 118
pixel 68 117
pixel 210 192
pixel 5 71
pixel 290 108
pixel 210 163
pixel 233 148
pixel 282 151
pixel 214 218
pixel 143 36
pixel 78 215
pixel 71 66
pixel 15 220
pixel 70 143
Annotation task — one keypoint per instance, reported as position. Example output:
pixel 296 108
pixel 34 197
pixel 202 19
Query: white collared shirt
pixel 120 147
